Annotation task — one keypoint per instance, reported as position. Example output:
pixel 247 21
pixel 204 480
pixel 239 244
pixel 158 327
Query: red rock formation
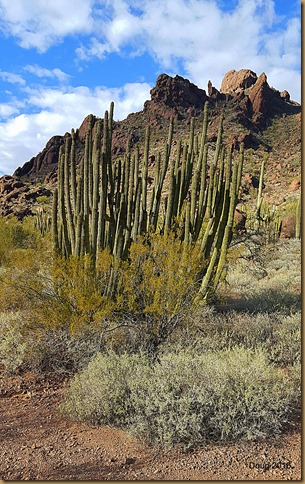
pixel 173 95
pixel 249 100
pixel 236 81
pixel 44 162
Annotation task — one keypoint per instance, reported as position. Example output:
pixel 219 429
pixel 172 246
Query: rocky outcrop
pixel 17 197
pixel 263 98
pixel 248 100
pixel 288 228
pixel 265 101
pixel 8 184
pixel 44 163
pixel 214 93
pixel 175 96
pixel 235 82
pixel 83 129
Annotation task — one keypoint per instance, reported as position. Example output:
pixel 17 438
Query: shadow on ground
pixel 266 301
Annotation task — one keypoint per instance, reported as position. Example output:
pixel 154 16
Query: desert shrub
pixel 185 398
pixel 228 395
pixel 264 279
pixel 13 347
pixel 63 293
pixel 76 295
pixel 156 290
pixel 278 334
pixel 154 293
pixel 285 346
pixel 101 393
pixel 15 234
pixel 24 345
pixel 59 351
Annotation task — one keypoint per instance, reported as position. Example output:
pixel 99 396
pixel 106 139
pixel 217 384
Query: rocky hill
pixel 265 119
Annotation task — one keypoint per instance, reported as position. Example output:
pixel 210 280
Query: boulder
pixel 288 227
pixel 240 219
pixel 9 183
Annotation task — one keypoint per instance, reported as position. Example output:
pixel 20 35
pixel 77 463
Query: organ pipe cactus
pixel 103 204
pixel 260 188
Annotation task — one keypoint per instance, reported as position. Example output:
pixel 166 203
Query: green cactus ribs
pixel 106 203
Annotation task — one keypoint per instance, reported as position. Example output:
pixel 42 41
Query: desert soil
pixel 38 443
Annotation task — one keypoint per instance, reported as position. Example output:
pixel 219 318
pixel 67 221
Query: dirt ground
pixel 37 443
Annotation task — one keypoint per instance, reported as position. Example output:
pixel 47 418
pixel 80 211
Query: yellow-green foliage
pixel 79 299
pixel 60 293
pixel 159 276
pixel 16 235
pixel 157 282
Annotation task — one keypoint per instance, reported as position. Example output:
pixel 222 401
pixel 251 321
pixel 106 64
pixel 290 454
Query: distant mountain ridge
pixel 256 114
pixel 250 97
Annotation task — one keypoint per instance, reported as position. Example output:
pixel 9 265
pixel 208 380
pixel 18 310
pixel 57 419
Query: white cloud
pixel 7 110
pixel 95 49
pixel 41 24
pixel 11 78
pixel 202 39
pixel 42 72
pixel 25 135
pixel 197 35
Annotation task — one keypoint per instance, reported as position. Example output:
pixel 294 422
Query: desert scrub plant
pixel 265 279
pixel 16 235
pixel 285 349
pixel 25 345
pixel 13 346
pixel 226 396
pixel 156 289
pixel 59 351
pixel 63 293
pixel 101 393
pixel 185 398
pixel 278 334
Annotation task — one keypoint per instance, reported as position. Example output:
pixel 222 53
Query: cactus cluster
pixel 108 204
pixel 42 221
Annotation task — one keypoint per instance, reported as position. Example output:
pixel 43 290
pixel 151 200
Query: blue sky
pixel 64 59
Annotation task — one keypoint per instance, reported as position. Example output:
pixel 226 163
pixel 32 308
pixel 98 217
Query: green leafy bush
pixel 186 398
